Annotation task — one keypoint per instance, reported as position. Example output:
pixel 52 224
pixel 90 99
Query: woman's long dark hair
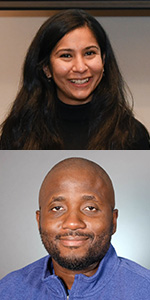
pixel 32 122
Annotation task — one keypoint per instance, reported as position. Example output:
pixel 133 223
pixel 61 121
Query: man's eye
pixel 57 208
pixel 91 208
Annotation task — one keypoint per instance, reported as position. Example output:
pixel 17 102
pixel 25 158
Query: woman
pixel 73 95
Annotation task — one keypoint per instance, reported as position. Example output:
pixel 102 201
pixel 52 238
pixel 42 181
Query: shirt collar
pixel 82 285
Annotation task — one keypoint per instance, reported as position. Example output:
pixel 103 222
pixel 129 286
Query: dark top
pixel 74 124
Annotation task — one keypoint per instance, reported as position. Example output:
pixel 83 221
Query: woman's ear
pixel 47 72
pixel 103 62
pixel 103 59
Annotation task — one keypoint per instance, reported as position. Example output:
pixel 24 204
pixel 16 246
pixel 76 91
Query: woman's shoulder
pixel 142 137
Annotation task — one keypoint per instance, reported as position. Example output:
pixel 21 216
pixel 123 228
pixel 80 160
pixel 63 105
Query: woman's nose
pixel 79 65
pixel 73 221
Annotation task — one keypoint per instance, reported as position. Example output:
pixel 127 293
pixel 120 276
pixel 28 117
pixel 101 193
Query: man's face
pixel 76 219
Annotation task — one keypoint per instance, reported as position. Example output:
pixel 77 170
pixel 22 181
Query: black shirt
pixel 73 123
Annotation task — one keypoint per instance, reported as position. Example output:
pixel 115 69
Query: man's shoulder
pixel 19 275
pixel 134 270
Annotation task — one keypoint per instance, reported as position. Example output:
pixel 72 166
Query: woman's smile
pixel 80 81
pixel 77 66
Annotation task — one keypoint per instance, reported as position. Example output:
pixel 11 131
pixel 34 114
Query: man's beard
pixel 94 254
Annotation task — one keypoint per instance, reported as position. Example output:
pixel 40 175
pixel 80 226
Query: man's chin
pixel 72 264
pixel 75 262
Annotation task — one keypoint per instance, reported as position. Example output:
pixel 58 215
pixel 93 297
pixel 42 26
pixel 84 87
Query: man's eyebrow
pixel 56 199
pixel 93 198
pixel 89 197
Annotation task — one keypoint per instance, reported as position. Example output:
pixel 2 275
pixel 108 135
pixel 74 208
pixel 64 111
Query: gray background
pixel 130 38
pixel 21 174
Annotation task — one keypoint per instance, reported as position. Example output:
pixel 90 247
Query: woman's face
pixel 76 66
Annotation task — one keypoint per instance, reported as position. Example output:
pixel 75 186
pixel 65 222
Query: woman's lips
pixel 80 82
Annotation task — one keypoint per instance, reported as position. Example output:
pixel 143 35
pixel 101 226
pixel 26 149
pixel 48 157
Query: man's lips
pixel 73 241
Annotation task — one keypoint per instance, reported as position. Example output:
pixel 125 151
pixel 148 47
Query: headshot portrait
pixel 72 92
pixel 75 225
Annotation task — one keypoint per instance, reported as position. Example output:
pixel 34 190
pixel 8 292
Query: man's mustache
pixel 76 233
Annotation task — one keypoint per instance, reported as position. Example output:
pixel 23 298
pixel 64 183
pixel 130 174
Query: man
pixel 76 219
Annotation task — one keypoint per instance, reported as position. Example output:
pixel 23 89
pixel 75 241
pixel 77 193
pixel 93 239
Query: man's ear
pixel 38 218
pixel 115 216
pixel 47 72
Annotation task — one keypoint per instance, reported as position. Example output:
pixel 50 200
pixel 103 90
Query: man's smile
pixel 73 241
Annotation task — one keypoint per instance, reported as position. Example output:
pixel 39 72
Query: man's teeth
pixel 79 81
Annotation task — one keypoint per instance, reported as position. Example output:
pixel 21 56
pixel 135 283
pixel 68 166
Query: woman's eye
pixel 89 53
pixel 65 55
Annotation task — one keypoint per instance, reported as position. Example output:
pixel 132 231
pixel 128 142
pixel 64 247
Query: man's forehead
pixel 80 168
pixel 72 164
pixel 68 170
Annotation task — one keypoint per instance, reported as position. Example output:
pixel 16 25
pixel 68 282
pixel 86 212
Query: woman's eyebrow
pixel 71 50
pixel 64 49
pixel 92 46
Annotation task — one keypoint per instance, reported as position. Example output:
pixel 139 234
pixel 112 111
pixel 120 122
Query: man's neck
pixel 68 275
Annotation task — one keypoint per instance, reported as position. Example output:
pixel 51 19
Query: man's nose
pixel 73 221
pixel 79 65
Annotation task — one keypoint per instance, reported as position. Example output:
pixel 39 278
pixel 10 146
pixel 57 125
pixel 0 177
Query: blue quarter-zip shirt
pixel 116 279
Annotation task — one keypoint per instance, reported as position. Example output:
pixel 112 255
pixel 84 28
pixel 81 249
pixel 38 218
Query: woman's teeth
pixel 79 81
